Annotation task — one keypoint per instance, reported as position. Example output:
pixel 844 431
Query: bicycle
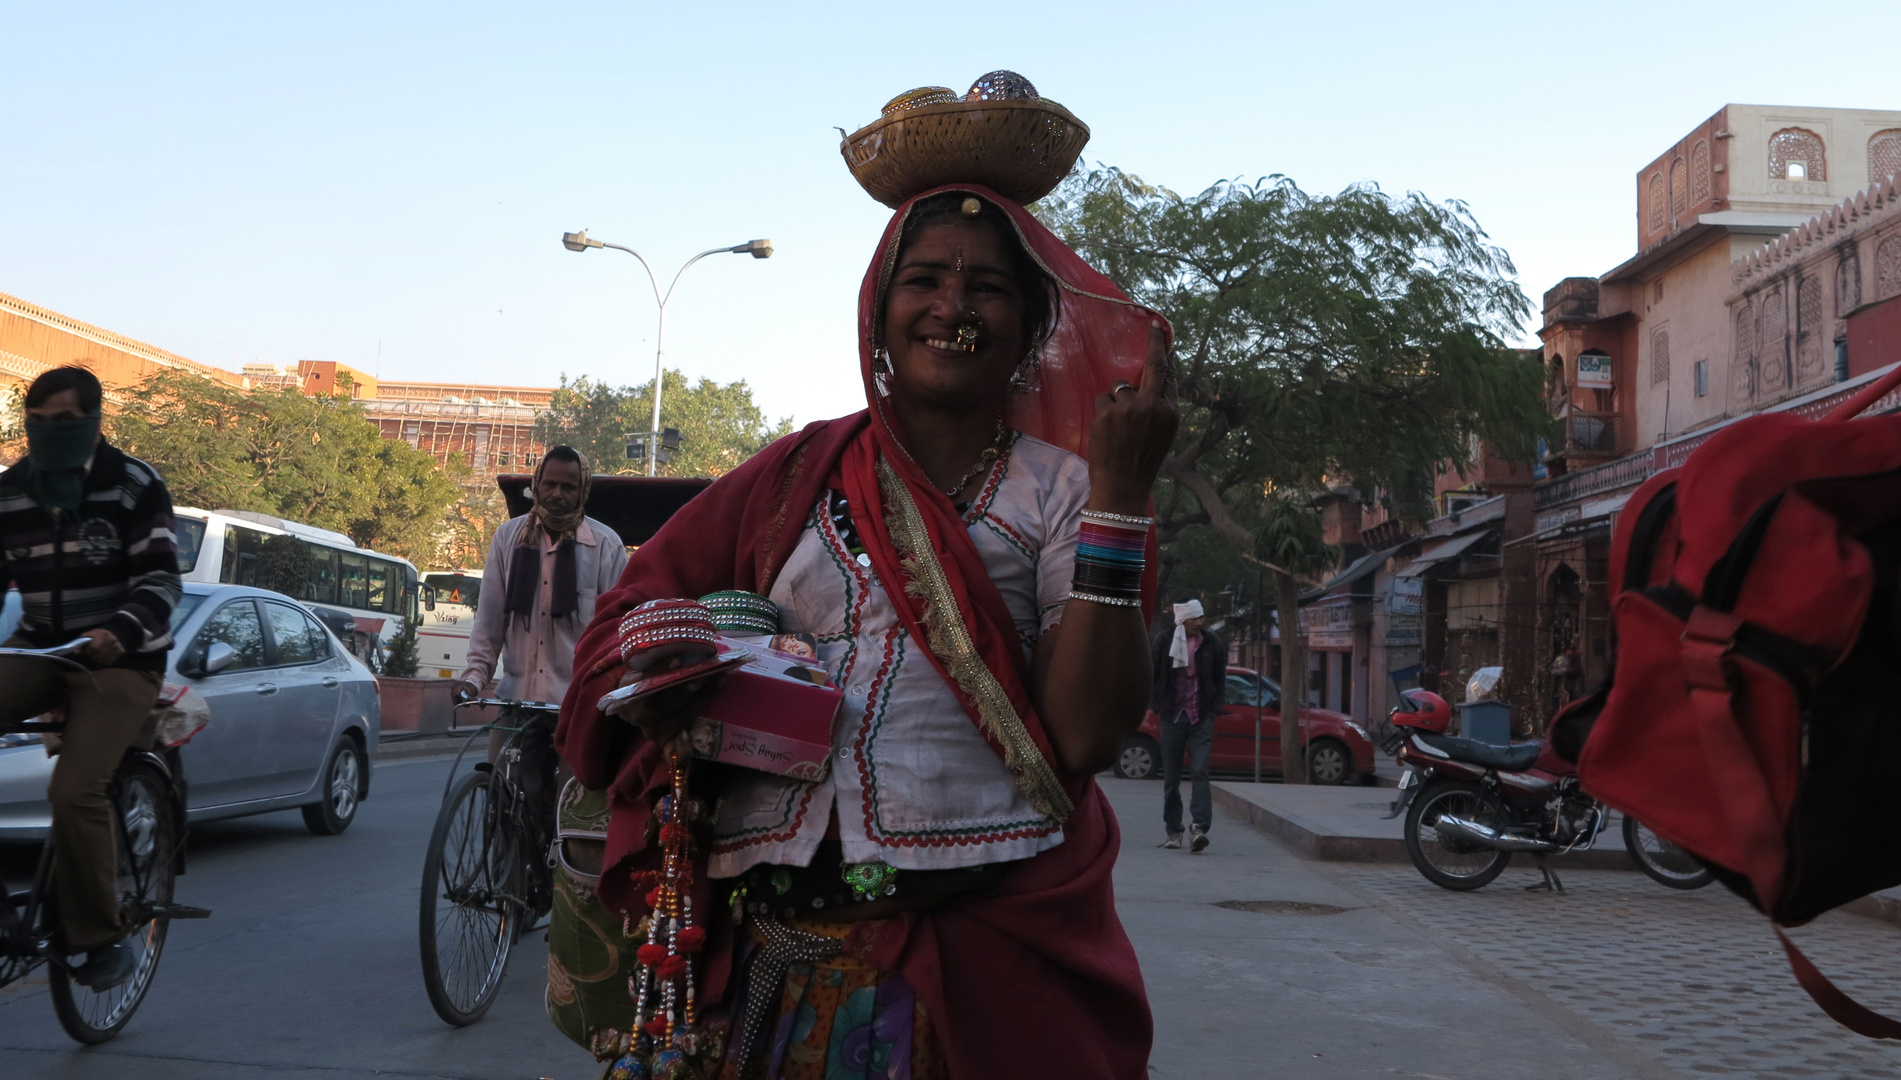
pixel 149 795
pixel 488 876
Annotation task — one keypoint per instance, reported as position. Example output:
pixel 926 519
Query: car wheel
pixel 1140 759
pixel 342 785
pixel 1328 762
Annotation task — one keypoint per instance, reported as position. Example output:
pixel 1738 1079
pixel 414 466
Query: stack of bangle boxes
pixel 774 713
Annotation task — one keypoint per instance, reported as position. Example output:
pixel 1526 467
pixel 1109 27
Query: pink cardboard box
pixel 765 718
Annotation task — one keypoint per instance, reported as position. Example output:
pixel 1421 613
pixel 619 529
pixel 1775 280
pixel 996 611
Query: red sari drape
pixel 1036 978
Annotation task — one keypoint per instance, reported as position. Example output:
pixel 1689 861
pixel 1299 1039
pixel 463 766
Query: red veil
pixel 1038 977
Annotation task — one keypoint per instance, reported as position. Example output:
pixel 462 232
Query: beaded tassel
pixel 662 989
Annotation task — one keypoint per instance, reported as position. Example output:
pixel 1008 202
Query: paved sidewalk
pixel 1304 992
pixel 1348 824
pixel 1618 977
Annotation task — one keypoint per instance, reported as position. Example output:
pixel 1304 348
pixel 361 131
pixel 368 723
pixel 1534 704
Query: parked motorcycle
pixel 1470 806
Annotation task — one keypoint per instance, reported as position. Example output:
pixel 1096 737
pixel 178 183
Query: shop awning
pixel 1451 549
pixel 1359 568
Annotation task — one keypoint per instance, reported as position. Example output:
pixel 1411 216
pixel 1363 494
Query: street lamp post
pixel 581 241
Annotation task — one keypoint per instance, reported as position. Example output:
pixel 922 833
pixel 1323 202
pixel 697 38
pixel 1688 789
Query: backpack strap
pixel 1843 1009
pixel 1708 639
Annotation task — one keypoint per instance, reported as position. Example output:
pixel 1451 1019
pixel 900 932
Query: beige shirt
pixel 537 655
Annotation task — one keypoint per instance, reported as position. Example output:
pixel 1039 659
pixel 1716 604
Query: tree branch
pixel 1218 517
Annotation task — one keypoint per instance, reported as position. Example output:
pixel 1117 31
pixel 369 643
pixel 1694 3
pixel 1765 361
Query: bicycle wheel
pixel 148 838
pixel 1666 863
pixel 469 919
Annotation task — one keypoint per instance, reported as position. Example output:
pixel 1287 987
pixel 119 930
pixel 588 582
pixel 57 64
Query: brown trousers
pixel 105 715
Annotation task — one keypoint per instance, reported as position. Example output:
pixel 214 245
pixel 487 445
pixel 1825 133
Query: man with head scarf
pixel 544 570
pixel 1189 667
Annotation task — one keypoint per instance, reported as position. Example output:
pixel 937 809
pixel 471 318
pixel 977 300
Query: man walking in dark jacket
pixel 1189 667
pixel 86 535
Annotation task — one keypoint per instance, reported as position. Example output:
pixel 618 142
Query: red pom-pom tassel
pixel 670 833
pixel 653 897
pixel 651 953
pixel 657 1026
pixel 690 939
pixel 672 967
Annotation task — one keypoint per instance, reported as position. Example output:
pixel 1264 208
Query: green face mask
pixel 61 444
pixel 58 450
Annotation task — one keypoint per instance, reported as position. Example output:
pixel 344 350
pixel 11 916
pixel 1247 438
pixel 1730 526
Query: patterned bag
pixel 590 954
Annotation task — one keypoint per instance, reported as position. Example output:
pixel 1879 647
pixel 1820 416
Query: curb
pixel 1306 839
pixel 1312 842
pixel 443 744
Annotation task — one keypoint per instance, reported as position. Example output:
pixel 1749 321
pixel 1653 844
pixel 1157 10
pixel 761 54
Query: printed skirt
pixel 838 1018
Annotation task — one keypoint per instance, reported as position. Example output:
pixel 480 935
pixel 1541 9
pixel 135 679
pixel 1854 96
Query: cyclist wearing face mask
pixel 86 535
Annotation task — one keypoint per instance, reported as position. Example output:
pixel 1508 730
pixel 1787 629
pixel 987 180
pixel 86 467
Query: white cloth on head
pixel 1178 647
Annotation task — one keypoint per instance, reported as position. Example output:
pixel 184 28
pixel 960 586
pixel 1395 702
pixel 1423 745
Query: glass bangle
pixel 1112 601
pixel 1121 519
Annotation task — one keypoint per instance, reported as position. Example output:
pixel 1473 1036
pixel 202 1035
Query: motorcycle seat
pixel 1515 758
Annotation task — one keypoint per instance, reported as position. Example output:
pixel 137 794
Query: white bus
pixel 317 566
pixel 448 599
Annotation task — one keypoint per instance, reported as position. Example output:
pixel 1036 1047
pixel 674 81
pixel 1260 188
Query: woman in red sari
pixel 939 905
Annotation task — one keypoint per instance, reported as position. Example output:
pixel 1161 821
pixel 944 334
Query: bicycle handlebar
pixel 57 652
pixel 545 706
pixel 61 656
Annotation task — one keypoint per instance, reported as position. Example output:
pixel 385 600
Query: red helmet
pixel 1424 710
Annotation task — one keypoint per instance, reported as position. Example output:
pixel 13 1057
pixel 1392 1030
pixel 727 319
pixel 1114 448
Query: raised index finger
pixel 1158 373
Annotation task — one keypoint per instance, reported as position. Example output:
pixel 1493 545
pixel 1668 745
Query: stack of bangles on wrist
pixel 1110 554
pixel 662 622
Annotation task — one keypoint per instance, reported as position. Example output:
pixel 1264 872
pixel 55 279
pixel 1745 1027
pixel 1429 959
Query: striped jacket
pixel 115 564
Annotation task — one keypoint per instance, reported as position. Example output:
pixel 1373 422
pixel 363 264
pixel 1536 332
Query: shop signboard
pixel 1407 597
pixel 1594 370
pixel 1404 629
pixel 1328 624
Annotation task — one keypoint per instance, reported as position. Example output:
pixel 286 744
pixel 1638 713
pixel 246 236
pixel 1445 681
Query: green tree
pixel 719 424
pixel 315 460
pixel 1357 339
pixel 472 523
pixel 12 418
pixel 401 659
pixel 1291 547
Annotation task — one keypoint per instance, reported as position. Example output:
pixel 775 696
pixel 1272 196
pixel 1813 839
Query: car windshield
pixel 1247 688
pixel 187 604
pixel 455 588
pixel 190 539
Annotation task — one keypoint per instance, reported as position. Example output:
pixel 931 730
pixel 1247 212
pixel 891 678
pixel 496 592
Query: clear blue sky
pixel 250 181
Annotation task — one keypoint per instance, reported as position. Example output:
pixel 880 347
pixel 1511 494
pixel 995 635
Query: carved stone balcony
pixel 1591 434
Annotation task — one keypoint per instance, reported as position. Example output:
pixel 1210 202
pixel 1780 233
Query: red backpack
pixel 1754 714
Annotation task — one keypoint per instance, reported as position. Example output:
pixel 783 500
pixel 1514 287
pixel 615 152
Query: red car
pixel 1338 750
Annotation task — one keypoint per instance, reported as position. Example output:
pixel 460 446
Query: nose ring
pixel 967 332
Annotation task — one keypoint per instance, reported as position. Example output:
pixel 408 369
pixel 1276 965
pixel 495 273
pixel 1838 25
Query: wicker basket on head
pixel 1021 149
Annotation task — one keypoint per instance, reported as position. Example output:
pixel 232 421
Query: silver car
pixel 293 717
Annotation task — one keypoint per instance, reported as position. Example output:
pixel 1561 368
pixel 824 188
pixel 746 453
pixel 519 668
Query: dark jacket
pixel 115 564
pixel 1211 673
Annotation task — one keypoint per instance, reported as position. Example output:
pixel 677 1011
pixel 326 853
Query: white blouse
pixel 913 782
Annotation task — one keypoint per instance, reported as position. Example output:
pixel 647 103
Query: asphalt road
pixel 1258 963
pixel 307 968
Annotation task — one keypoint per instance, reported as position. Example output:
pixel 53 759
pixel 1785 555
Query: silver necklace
pixel 984 462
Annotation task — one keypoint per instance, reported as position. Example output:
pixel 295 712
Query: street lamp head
pixel 578 241
pixel 758 249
